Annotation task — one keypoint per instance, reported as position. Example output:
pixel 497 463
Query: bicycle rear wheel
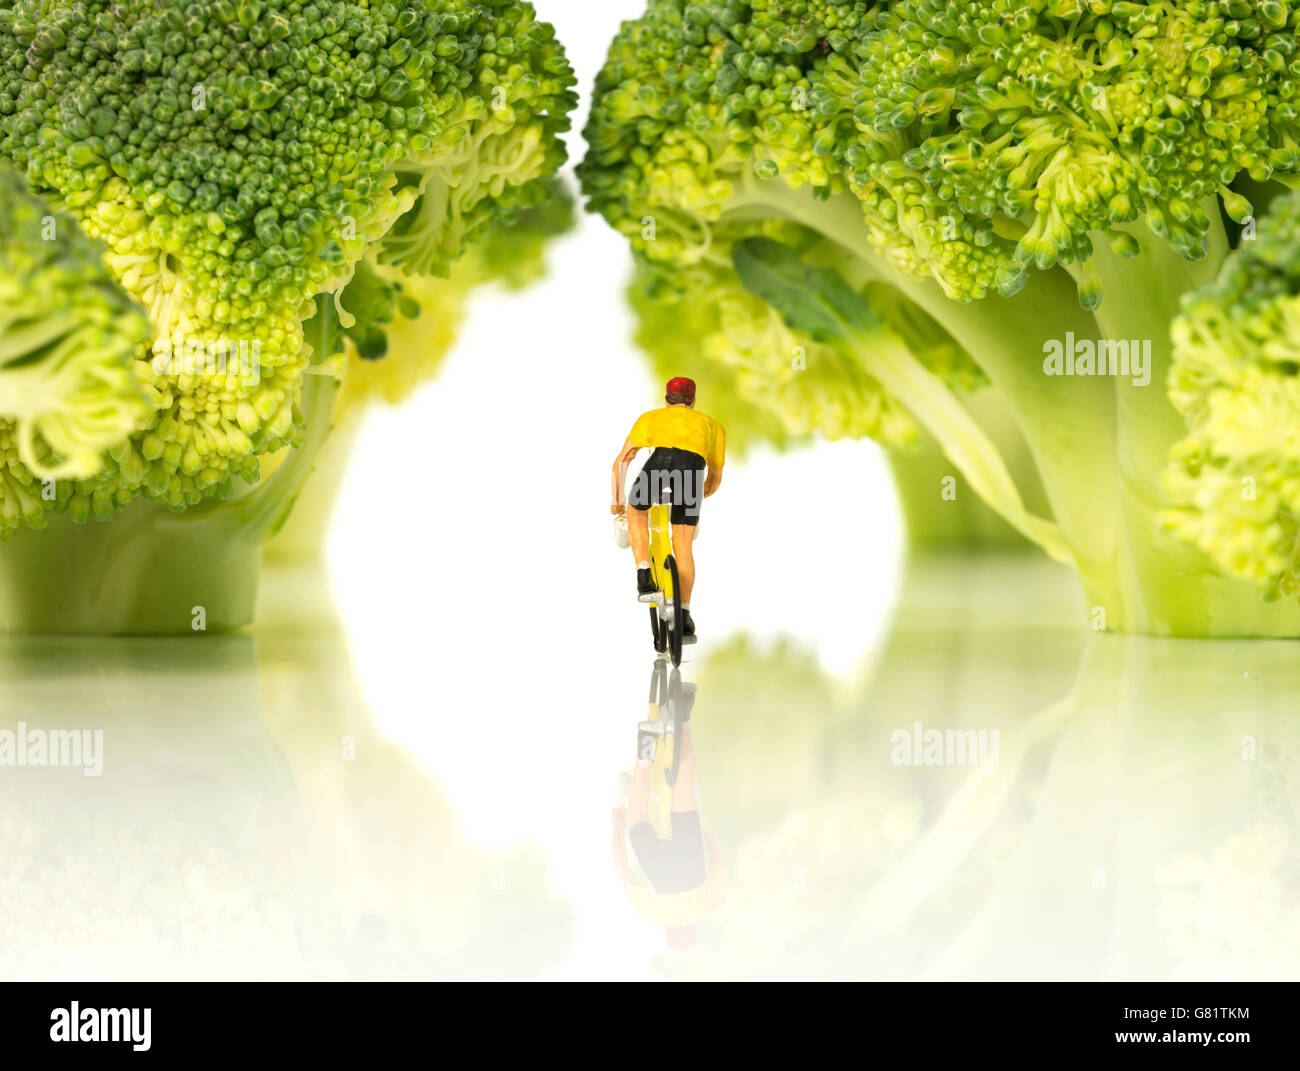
pixel 678 616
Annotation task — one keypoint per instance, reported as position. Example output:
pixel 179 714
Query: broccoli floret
pixel 1021 172
pixel 238 160
pixel 1234 481
pixel 403 328
pixel 406 325
pixel 68 335
pixel 769 381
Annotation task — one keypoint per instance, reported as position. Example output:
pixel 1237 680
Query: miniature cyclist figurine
pixel 685 443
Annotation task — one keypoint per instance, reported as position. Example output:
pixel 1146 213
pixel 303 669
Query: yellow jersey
pixel 682 428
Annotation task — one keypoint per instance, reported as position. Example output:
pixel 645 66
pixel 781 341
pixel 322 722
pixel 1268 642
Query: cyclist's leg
pixel 638 517
pixel 686 514
pixel 638 533
pixel 683 551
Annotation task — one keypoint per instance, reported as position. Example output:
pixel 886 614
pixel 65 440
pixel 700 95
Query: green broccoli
pixel 68 334
pixel 238 160
pixel 1041 180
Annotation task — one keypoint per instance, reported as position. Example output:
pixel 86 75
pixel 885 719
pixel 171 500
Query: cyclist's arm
pixel 713 480
pixel 618 477
pixel 717 458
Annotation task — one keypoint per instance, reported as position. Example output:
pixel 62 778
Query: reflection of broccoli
pixel 238 161
pixel 180 860
pixel 1013 176
pixel 248 823
pixel 1237 907
pixel 802 835
pixel 413 896
pixel 1130 798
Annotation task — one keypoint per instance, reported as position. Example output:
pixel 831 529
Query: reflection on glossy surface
pixel 670 864
pixel 1141 822
pixel 248 823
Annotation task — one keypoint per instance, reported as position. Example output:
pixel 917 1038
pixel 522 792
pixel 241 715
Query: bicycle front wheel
pixel 673 702
pixel 678 615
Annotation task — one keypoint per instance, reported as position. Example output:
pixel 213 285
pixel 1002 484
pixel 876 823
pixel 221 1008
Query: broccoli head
pixel 238 160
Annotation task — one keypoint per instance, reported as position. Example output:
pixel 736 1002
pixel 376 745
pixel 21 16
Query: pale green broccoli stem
pixel 149 571
pixel 1140 298
pixel 1069 423
pixel 1100 442
pixel 301 537
pixel 859 333
pixel 937 409
pixel 967 445
pixel 137 574
pixel 965 522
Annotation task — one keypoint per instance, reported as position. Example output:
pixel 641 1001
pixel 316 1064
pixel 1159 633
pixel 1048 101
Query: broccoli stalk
pixel 820 303
pixel 935 521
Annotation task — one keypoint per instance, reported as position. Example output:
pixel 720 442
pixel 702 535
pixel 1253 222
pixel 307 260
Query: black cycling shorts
pixel 671 476
pixel 673 864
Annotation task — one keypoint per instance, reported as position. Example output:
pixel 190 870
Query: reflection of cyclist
pixel 684 443
pixel 677 879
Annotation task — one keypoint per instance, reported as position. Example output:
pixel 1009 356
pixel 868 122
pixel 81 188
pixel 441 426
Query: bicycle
pixel 658 735
pixel 667 618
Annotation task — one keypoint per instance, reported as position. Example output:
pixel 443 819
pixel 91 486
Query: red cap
pixel 682 385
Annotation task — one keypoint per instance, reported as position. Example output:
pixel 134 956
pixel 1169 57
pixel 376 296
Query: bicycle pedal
pixel 688 639
pixel 652 598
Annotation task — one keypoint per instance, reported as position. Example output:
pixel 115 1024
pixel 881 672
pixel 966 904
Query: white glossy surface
pixel 267 809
